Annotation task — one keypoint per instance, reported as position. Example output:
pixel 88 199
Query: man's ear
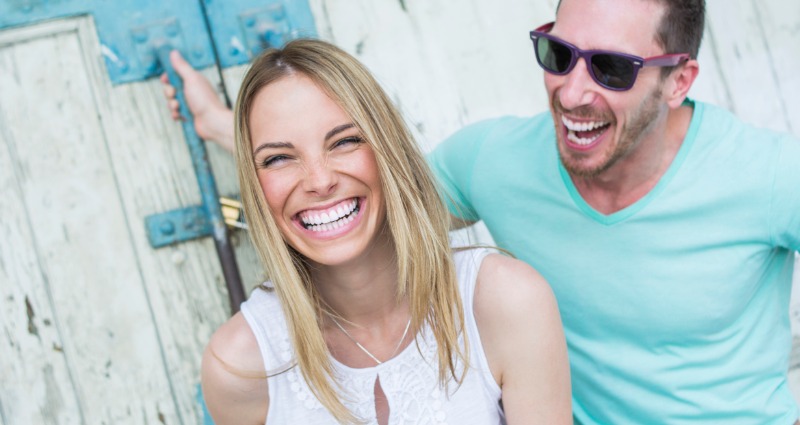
pixel 679 82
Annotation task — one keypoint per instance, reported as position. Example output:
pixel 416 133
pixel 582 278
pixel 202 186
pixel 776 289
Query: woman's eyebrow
pixel 278 145
pixel 338 129
pixel 273 145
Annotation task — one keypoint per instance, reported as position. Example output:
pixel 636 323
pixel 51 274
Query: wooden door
pixel 98 326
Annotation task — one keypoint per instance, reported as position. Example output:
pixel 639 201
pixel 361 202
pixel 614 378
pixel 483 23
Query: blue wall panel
pixel 130 31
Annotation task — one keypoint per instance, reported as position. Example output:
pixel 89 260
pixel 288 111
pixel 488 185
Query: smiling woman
pixel 370 316
pixel 318 175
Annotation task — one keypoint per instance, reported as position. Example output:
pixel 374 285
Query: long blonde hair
pixel 416 216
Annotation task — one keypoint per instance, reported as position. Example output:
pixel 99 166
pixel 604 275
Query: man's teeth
pixel 582 126
pixel 574 127
pixel 583 141
pixel 331 219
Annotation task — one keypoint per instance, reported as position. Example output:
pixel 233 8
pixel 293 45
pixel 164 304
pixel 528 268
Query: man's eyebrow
pixel 273 145
pixel 338 129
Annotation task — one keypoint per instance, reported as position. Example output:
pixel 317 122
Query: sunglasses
pixel 612 70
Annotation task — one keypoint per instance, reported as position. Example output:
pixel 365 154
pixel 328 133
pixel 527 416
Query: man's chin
pixel 581 168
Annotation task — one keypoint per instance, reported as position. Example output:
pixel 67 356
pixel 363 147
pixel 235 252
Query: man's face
pixel 598 128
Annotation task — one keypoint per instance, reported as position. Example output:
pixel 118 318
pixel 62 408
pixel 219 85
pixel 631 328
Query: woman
pixel 369 317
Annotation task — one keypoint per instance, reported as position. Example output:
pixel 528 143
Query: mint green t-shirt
pixel 676 308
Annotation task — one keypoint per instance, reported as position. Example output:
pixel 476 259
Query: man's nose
pixel 578 88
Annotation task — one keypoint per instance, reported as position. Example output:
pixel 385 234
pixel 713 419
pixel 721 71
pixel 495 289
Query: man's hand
pixel 212 119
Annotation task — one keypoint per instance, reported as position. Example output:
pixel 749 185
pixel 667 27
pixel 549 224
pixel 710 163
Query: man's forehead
pixel 637 9
pixel 627 25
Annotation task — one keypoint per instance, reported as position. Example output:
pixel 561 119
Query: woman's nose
pixel 320 179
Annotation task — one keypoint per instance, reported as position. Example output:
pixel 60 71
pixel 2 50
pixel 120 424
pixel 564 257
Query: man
pixel 666 227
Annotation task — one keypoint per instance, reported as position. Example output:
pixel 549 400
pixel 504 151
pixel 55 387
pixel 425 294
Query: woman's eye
pixel 272 161
pixel 348 141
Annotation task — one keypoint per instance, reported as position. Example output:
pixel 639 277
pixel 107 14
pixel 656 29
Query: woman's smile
pixel 331 222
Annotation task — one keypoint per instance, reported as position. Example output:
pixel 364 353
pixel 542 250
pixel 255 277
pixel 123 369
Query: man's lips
pixel 583 134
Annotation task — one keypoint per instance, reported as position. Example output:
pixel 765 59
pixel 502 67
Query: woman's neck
pixel 364 290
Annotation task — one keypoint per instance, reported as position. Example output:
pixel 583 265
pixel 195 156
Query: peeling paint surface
pixel 31 325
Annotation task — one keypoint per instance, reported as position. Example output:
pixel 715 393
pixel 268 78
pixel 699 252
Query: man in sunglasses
pixel 666 227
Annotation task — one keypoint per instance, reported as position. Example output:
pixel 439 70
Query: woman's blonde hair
pixel 416 216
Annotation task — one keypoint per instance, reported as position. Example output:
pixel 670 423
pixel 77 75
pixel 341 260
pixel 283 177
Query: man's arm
pixel 212 119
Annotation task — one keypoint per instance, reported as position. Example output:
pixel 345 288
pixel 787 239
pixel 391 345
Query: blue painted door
pixel 97 326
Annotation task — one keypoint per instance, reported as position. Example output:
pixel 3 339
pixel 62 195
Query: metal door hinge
pixel 189 223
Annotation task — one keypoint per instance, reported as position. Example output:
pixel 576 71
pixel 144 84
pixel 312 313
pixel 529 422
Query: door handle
pixel 208 188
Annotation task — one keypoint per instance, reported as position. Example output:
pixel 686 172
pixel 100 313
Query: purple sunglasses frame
pixel 637 62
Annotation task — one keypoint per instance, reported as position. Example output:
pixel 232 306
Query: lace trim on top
pixel 403 376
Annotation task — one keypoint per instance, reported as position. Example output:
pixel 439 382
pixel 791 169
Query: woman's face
pixel 319 176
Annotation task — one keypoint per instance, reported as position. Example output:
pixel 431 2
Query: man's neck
pixel 635 175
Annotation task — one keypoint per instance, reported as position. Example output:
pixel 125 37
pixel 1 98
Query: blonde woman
pixel 369 316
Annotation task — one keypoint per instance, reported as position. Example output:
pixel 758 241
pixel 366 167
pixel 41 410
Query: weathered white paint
pixel 115 329
pixel 72 208
pixel 100 328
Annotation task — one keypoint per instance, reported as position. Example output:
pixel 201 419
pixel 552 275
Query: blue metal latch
pixel 184 224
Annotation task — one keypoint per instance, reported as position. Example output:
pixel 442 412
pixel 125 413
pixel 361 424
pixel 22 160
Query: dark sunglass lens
pixel 554 56
pixel 613 71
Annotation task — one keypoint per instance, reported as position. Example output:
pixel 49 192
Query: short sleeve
pixel 785 208
pixel 453 162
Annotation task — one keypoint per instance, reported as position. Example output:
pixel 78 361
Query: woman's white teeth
pixel 331 226
pixel 331 219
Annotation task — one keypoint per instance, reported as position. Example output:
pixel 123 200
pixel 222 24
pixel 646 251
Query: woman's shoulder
pixel 236 343
pixel 233 375
pixel 504 281
pixel 491 277
pixel 512 297
pixel 523 340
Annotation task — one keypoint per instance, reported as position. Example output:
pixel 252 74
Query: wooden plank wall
pixel 128 352
pixel 98 327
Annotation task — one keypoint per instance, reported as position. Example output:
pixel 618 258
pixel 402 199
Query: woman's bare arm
pixel 233 376
pixel 523 339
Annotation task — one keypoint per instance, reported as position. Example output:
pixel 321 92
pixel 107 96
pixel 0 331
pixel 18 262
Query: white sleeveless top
pixel 409 380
